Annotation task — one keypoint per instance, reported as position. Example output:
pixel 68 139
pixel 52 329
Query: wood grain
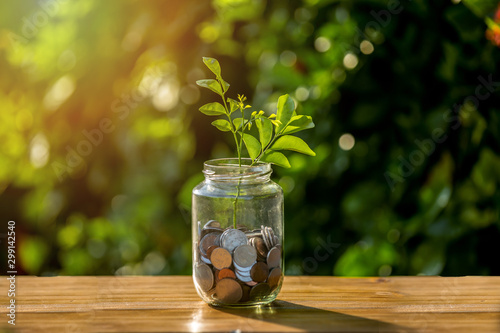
pixel 315 304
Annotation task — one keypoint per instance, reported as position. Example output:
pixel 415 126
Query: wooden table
pixel 319 304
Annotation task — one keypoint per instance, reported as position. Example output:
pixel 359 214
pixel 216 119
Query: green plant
pixel 274 130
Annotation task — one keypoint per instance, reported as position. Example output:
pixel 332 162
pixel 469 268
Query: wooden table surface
pixel 319 304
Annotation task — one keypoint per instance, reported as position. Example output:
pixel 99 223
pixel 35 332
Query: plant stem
pixel 235 202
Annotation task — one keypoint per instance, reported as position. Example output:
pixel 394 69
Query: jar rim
pixel 229 168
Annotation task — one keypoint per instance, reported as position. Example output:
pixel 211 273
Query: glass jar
pixel 237 234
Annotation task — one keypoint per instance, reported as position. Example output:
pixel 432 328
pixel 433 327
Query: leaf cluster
pixel 274 131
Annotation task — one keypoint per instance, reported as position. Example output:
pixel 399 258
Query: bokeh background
pixel 102 141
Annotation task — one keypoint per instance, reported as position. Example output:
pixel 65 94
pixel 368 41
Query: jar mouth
pixel 228 169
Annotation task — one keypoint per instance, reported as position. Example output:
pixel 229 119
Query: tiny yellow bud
pixel 272 116
pixel 261 113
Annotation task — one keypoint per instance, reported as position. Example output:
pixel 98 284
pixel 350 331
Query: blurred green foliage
pixel 119 75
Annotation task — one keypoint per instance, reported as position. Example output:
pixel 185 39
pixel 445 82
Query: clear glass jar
pixel 237 234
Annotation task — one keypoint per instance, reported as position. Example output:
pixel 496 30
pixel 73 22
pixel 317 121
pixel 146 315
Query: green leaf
pixel 233 105
pixel 290 142
pixel 253 145
pixel 213 65
pixel 286 107
pixel 222 125
pixel 213 109
pixel 275 157
pixel 225 85
pixel 237 123
pixel 299 123
pixel 210 84
pixel 265 128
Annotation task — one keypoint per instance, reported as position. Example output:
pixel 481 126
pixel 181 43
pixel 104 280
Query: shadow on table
pixel 299 317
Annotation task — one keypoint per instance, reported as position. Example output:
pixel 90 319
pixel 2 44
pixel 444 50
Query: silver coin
pixel 243 269
pixel 212 238
pixel 232 238
pixel 276 241
pixel 206 231
pixel 244 274
pixel 204 277
pixel 206 260
pixel 245 255
pixel 243 278
pixel 213 224
pixel 270 232
pixel 265 237
pixel 253 233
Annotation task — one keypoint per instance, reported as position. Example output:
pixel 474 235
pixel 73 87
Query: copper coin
pixel 216 274
pixel 204 277
pixel 232 238
pixel 211 239
pixel 246 293
pixel 245 255
pixel 274 277
pixel 228 291
pixel 260 246
pixel 210 250
pixel 260 291
pixel 273 258
pixel 226 273
pixel 259 272
pixel 221 258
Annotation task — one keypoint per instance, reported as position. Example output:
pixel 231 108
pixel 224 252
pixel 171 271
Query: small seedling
pixel 274 130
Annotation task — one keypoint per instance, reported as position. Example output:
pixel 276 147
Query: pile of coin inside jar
pixel 237 265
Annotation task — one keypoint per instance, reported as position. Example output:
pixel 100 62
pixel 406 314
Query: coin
pixel 251 283
pixel 243 270
pixel 265 237
pixel 212 238
pixel 228 291
pixel 210 250
pixel 260 291
pixel 241 227
pixel 245 255
pixel 274 258
pixel 212 223
pixel 270 234
pixel 274 277
pixel 246 293
pixel 259 272
pixel 232 238
pixel 226 273
pixel 204 277
pixel 208 230
pixel 243 278
pixel 221 258
pixel 206 260
pixel 253 233
pixel 216 274
pixel 260 246
pixel 276 240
